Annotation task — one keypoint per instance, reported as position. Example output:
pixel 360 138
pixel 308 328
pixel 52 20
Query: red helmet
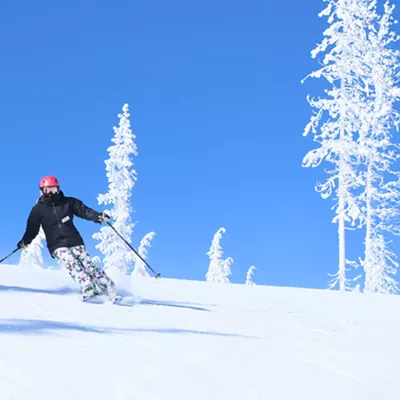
pixel 48 181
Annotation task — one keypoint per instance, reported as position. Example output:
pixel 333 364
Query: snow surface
pixel 194 340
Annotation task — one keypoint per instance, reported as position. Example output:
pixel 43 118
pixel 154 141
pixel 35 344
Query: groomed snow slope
pixel 194 340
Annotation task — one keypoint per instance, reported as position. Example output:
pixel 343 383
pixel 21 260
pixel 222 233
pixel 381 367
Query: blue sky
pixel 218 109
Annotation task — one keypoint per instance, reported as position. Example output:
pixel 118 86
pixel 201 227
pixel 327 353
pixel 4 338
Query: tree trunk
pixel 368 234
pixel 341 233
pixel 341 197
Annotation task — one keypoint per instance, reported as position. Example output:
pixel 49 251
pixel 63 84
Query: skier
pixel 55 212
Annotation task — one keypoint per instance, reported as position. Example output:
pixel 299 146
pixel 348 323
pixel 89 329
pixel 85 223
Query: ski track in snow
pixel 193 340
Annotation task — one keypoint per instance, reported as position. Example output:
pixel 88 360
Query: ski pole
pixel 5 258
pixel 157 275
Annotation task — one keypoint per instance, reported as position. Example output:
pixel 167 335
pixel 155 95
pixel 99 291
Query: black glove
pixel 103 217
pixel 21 245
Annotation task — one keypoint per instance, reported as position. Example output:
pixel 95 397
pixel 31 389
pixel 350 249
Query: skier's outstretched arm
pixel 32 229
pixel 85 212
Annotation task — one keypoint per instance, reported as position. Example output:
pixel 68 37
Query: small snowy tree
pixel 249 275
pixel 226 267
pixel 32 256
pixel 357 288
pixel 140 268
pixel 121 177
pixel 219 269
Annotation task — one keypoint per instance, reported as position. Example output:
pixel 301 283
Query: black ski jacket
pixel 55 214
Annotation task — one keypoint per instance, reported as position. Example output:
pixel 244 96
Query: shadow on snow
pixel 42 327
pixel 163 303
pixel 59 291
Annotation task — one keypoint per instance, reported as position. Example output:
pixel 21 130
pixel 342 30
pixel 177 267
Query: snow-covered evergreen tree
pixel 337 121
pixel 381 206
pixel 121 176
pixel 140 267
pixel 226 268
pixel 249 275
pixel 381 196
pixel 219 269
pixel 381 268
pixel 32 255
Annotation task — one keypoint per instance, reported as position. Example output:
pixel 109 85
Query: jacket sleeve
pixel 32 226
pixel 82 211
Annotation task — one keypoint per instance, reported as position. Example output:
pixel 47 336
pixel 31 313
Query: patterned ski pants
pixel 90 278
